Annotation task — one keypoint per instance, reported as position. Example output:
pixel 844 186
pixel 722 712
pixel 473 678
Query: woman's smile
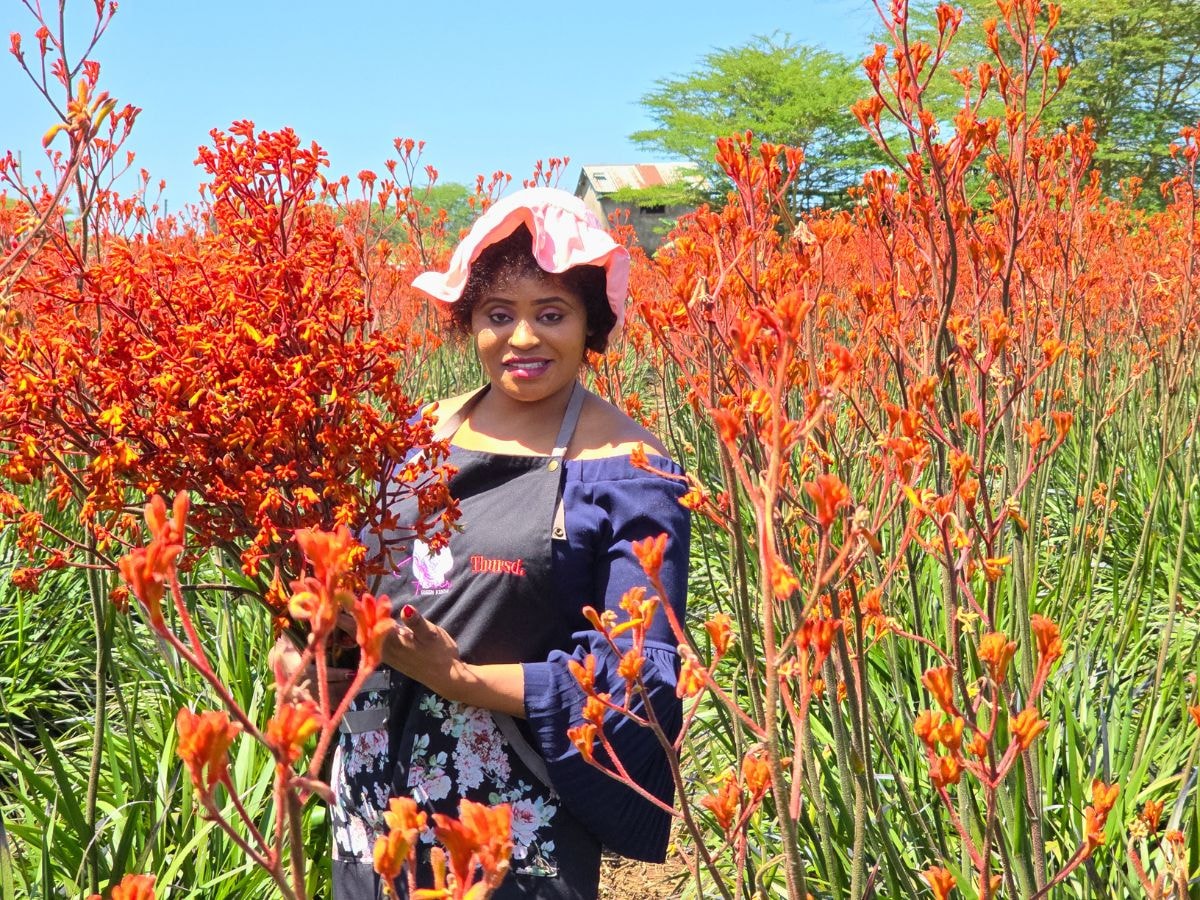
pixel 527 367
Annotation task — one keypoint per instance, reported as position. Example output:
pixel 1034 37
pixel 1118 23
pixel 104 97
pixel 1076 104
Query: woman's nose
pixel 523 334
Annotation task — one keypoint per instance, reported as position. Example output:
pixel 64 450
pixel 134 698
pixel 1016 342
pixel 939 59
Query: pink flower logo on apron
pixel 431 570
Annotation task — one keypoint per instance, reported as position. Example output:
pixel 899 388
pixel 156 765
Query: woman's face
pixel 530 333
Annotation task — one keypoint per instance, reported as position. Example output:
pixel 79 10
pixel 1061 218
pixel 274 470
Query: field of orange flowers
pixel 943 467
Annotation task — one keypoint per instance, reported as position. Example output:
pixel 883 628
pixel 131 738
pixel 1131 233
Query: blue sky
pixel 487 86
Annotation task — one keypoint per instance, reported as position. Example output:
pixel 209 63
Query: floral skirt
pixel 446 751
pixel 361 782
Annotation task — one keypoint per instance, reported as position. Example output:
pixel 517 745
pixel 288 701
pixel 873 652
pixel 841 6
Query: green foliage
pixel 452 197
pixel 679 193
pixel 786 93
pixel 147 817
pixel 1134 71
pixel 449 196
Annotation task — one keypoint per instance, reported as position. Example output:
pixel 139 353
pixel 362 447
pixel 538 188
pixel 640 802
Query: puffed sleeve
pixel 604 518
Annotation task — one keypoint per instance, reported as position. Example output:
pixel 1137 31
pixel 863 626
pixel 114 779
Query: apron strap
pixel 570 420
pixel 558 529
pixel 532 759
pixel 445 430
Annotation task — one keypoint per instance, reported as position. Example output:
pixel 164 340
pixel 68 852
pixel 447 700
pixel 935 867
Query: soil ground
pixel 627 879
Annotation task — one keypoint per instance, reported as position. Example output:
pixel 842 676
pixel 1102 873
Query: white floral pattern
pixel 482 771
pixel 360 783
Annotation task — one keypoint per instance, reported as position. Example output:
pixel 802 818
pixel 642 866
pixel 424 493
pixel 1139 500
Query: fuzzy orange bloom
pixel 926 728
pixel 480 836
pixel 147 570
pixel 649 553
pixel 977 746
pixel 132 887
pixel 720 632
pixel 373 616
pixel 1053 348
pixel 756 772
pixel 640 610
pixel 938 681
pixel 996 651
pixel 404 821
pixel 330 553
pixel 692 674
pixel 961 465
pixel 1104 795
pixel 945 771
pixel 1050 646
pixel 595 708
pixel 26 579
pixel 204 742
pixel 631 601
pixel 729 427
pixel 603 622
pixel 1095 817
pixel 724 804
pixel 1036 433
pixel 784 582
pixel 584 674
pixel 583 737
pixel 829 495
pixel 630 667
pixel 1093 829
pixel 950 733
pixel 291 726
pixel 993 567
pixel 941 882
pixel 1152 814
pixel 1195 713
pixel 162 528
pixel 311 602
pixel 638 458
pixel 1062 424
pixel 817 634
pixel 1026 726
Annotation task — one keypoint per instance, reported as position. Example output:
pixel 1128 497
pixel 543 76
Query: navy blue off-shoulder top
pixel 609 504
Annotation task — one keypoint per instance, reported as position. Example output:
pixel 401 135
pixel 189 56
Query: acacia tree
pixel 785 93
pixel 1134 71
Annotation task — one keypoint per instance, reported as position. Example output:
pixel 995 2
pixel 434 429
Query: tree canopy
pixel 1135 71
pixel 784 93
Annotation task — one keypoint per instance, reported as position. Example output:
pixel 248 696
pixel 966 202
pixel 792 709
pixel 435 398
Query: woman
pixel 477 697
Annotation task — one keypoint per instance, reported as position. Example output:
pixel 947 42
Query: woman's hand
pixel 424 652
pixel 286 661
pixel 427 653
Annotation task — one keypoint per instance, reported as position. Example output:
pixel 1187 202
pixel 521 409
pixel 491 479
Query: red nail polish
pixel 407 612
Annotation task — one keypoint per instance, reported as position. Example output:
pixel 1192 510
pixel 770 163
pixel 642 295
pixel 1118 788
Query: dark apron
pixel 492 589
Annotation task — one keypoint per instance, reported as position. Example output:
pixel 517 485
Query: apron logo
pixel 498 566
pixel 431 569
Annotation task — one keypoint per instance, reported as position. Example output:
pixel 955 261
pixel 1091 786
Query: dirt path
pixel 627 879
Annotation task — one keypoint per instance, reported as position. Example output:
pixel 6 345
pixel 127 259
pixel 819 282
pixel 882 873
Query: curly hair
pixel 511 259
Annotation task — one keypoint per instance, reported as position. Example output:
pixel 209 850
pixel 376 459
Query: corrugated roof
pixel 606 179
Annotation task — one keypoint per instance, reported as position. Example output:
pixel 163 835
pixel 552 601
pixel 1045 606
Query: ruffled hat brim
pixel 565 234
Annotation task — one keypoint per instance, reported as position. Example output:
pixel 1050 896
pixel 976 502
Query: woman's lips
pixel 526 368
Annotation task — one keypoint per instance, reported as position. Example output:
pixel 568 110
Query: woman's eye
pixel 499 318
pixel 552 317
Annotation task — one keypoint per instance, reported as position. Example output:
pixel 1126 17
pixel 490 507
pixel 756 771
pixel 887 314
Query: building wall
pixel 644 221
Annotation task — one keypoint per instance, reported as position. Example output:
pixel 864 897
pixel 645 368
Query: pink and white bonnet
pixel 565 234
